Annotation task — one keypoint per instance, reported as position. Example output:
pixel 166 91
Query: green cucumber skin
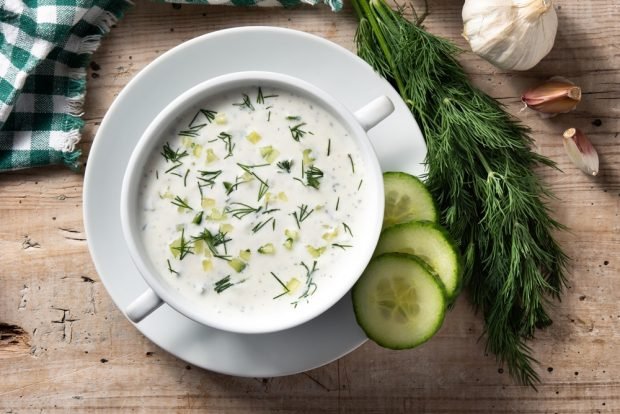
pixel 453 293
pixel 380 341
pixel 402 176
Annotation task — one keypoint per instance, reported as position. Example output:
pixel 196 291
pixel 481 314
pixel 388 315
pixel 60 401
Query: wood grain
pixel 65 346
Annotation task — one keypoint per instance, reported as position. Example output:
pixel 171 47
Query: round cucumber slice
pixel 398 302
pixel 406 199
pixel 431 243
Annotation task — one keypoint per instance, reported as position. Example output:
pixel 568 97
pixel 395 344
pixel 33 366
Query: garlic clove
pixel 556 96
pixel 580 151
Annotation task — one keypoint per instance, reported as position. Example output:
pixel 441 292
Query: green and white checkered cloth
pixel 45 46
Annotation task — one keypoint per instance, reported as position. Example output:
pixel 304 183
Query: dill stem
pixel 483 161
pixel 364 11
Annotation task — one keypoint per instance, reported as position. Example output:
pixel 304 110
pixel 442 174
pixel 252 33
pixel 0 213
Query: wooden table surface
pixel 64 345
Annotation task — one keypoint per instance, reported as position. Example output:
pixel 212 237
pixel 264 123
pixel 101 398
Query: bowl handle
pixel 374 112
pixel 143 305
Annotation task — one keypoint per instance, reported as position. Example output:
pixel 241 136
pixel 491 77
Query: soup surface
pixel 254 204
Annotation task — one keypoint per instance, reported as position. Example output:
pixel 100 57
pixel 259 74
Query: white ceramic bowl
pixel 160 291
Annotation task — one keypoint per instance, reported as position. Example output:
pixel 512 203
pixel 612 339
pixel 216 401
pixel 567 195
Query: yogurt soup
pixel 253 202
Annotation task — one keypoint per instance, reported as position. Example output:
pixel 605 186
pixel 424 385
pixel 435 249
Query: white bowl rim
pixel 188 99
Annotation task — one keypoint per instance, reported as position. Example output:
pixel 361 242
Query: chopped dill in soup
pixel 254 202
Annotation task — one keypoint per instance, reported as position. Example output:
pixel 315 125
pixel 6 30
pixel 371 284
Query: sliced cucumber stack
pixel 431 243
pixel 406 199
pixel 398 301
pixel 401 298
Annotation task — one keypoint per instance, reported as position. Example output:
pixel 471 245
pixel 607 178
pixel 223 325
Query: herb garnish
pixel 249 169
pixel 197 218
pixel 175 166
pixel 297 132
pixel 347 229
pixel 262 190
pixel 342 246
pixel 337 203
pixel 226 138
pixel 245 103
pixel 192 132
pixel 185 178
pixel 170 269
pixel 213 241
pixel 184 248
pixel 242 211
pixel 173 156
pixel 329 146
pixel 293 118
pixel 352 163
pixel 207 178
pixel 286 290
pixel 360 185
pixel 303 214
pixel 179 202
pixel 230 187
pixel 224 283
pixel 264 186
pixel 310 285
pixel 260 225
pixel 313 176
pixel 260 98
pixel 210 115
pixel 285 165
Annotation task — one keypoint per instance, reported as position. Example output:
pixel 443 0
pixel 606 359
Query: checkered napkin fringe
pixel 45 47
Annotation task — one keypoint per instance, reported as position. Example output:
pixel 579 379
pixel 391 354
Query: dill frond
pixel 481 174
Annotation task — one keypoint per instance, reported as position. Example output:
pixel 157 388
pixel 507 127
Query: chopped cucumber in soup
pixel 432 244
pixel 406 199
pixel 398 301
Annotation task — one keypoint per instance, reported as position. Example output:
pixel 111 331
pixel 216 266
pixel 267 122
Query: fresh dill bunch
pixel 480 171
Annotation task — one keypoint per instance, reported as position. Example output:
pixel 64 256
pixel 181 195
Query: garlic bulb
pixel 511 34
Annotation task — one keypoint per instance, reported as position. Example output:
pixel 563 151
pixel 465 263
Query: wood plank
pixel 78 352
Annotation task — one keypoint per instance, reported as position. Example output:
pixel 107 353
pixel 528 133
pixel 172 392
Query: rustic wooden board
pixel 64 345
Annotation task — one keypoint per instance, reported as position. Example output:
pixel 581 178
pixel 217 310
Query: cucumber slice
pixel 398 302
pixel 431 243
pixel 406 199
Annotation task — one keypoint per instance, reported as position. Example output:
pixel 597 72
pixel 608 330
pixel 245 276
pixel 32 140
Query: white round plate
pixel 397 141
